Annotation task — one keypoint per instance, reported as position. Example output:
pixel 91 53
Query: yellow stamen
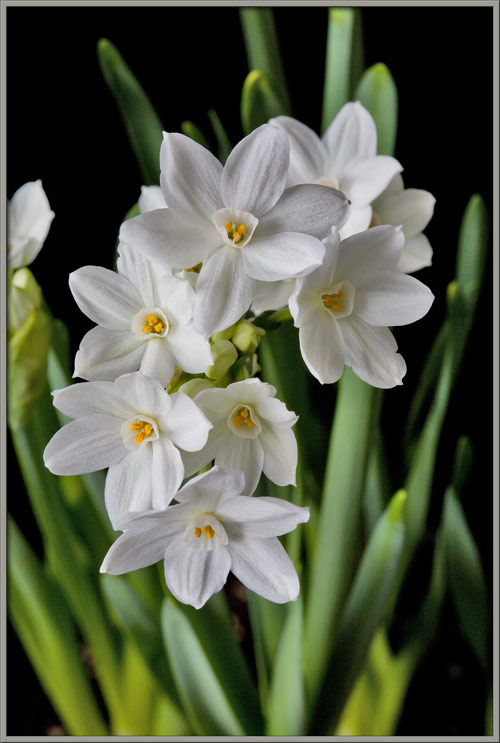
pixel 195 269
pixel 152 319
pixel 236 234
pixel 207 529
pixel 333 301
pixel 140 437
pixel 229 227
pixel 241 229
pixel 197 531
pixel 158 327
pixel 148 428
pixel 147 329
pixel 154 325
pixel 244 413
pixel 243 416
pixel 249 423
pixel 144 430
pixel 238 420
pixel 136 426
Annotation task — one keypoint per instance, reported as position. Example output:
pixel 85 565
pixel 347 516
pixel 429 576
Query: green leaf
pixel 338 63
pixel 472 249
pixel 378 94
pixel 143 126
pixel 259 102
pixel 466 578
pixel 44 625
pixel 338 534
pixel 223 142
pixel 362 614
pixel 211 678
pixel 286 711
pixel 194 132
pixel 261 43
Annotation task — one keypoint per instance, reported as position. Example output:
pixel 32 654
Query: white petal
pixel 412 208
pixel 217 403
pixel 128 484
pixel 254 175
pixel 359 220
pixel 107 354
pixel 261 517
pixel 365 180
pixel 190 175
pixel 176 298
pixel 280 454
pixel 194 461
pixel 85 445
pixel 151 198
pixel 275 411
pixel 350 138
pixel 106 297
pixel 272 295
pixel 186 425
pixel 190 349
pixel 371 352
pixel 157 360
pixel 282 255
pixel 141 272
pixel 143 394
pixel 322 277
pixel 307 208
pixel 322 345
pixel 392 298
pixel 223 292
pixel 245 455
pixel 308 155
pixel 171 237
pixel 211 487
pixel 416 254
pixel 167 472
pixel 29 218
pixel 264 567
pixel 376 249
pixel 194 575
pixel 90 398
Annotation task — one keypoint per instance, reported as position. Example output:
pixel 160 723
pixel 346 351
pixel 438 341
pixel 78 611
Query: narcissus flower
pixel 237 221
pixel 29 217
pixel 144 321
pixel 211 531
pixel 412 208
pixel 133 427
pixel 344 158
pixel 252 432
pixel 344 308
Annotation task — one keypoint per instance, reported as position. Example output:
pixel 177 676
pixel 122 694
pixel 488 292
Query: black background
pixel 63 127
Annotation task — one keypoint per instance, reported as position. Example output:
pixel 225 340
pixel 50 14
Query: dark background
pixel 63 127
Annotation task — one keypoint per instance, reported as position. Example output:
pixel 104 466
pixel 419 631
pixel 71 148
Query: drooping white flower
pixel 29 217
pixel 252 432
pixel 412 208
pixel 344 158
pixel 344 308
pixel 144 321
pixel 211 531
pixel 238 221
pixel 133 427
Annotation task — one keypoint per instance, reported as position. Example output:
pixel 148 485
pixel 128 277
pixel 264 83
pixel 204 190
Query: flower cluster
pixel 324 227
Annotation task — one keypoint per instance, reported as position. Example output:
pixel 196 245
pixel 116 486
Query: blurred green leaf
pixel 262 48
pixel 338 63
pixel 259 102
pixel 201 666
pixel 223 142
pixel 286 711
pixel 194 132
pixel 466 578
pixel 378 94
pixel 362 614
pixel 46 630
pixel 143 126
pixel 338 534
pixel 472 249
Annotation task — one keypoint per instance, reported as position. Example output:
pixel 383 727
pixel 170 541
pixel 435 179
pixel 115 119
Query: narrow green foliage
pixel 141 121
pixel 472 249
pixel 43 623
pixel 261 43
pixel 194 132
pixel 223 142
pixel 378 94
pixel 362 614
pixel 259 102
pixel 338 63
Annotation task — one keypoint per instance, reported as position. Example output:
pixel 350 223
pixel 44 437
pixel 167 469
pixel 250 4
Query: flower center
pixel 236 234
pixel 204 531
pixel 243 417
pixel 244 422
pixel 198 531
pixel 339 299
pixel 150 322
pixel 195 269
pixel 139 429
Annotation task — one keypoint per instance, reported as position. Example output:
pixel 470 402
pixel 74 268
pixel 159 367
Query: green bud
pixel 223 335
pixel 193 386
pixel 224 355
pixel 246 367
pixel 24 296
pixel 246 336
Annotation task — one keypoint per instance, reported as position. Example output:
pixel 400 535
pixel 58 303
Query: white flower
pixel 29 217
pixel 343 309
pixel 252 432
pixel 212 530
pixel 344 158
pixel 151 198
pixel 412 208
pixel 144 322
pixel 237 221
pixel 133 427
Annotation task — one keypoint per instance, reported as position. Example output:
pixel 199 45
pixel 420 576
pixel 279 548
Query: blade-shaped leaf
pixel 259 102
pixel 378 94
pixel 194 132
pixel 338 63
pixel 223 142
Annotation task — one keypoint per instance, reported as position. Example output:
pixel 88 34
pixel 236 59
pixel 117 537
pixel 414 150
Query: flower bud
pixel 246 337
pixel 223 335
pixel 193 386
pixel 224 355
